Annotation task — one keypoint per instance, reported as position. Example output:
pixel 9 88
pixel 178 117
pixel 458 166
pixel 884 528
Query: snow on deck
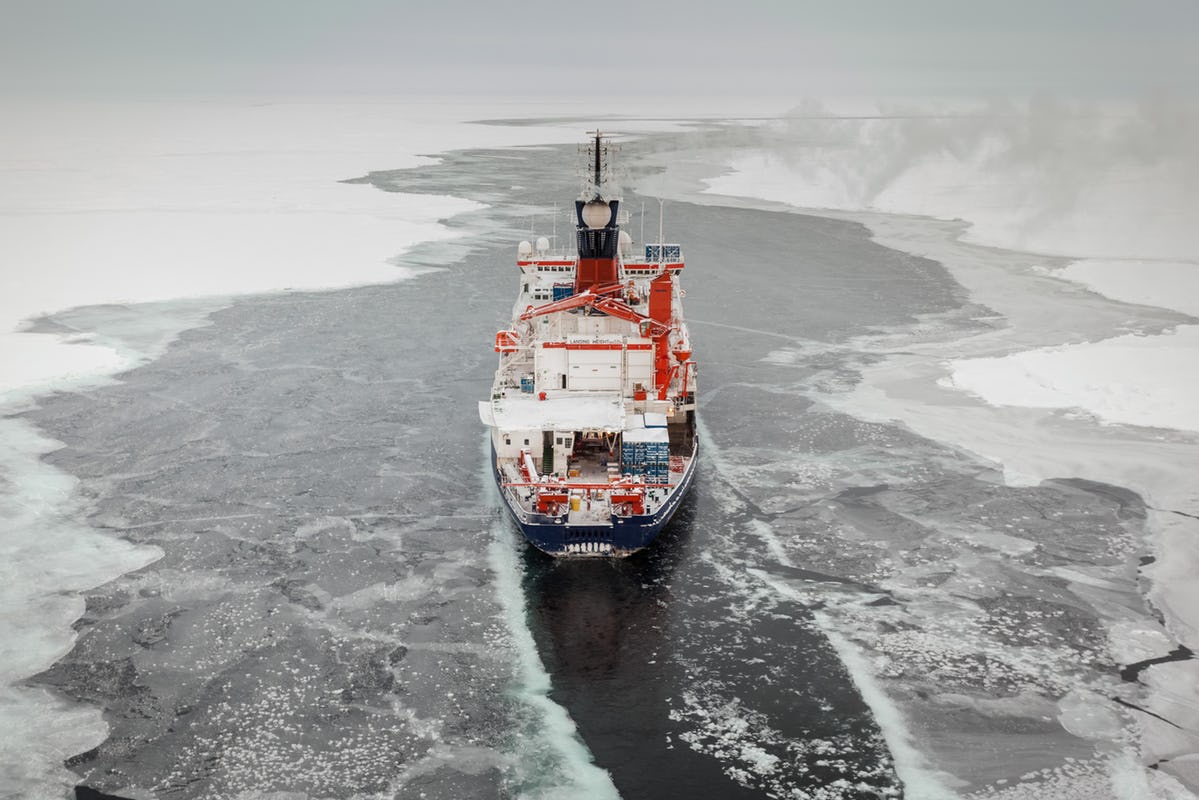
pixel 586 412
pixel 647 435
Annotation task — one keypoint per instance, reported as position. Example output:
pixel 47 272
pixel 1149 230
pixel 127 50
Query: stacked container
pixel 645 451
pixel 657 460
pixel 632 455
pixel 563 291
pixel 663 252
pixel 657 449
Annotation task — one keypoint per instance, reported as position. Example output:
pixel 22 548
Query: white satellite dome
pixel 625 242
pixel 524 249
pixel 596 214
pixel 543 244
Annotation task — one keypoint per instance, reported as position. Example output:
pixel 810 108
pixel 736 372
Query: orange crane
pixel 649 327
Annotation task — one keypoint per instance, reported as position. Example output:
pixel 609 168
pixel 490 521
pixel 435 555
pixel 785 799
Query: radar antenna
pixel 598 175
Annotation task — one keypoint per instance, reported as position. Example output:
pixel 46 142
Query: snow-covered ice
pixel 1166 284
pixel 1129 379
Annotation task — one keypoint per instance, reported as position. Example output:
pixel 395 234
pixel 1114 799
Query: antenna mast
pixel 598 167
pixel 595 172
pixel 661 247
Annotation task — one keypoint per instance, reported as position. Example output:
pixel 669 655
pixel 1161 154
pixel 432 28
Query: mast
pixel 598 177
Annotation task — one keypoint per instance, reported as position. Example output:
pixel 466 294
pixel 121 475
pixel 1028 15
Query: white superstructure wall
pixel 508 444
pixel 594 364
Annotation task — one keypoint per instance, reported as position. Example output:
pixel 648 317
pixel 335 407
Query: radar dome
pixel 626 242
pixel 524 249
pixel 596 214
pixel 543 244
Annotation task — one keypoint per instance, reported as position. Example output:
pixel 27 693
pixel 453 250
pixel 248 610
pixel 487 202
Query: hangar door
pixel 593 370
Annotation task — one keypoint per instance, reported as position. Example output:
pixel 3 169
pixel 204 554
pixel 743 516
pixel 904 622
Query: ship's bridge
pixel 548 275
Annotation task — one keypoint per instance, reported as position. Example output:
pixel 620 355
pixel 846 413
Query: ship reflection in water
pixel 601 618
pixel 607 631
pixel 597 618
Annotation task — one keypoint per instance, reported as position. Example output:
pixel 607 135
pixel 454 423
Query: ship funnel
pixel 597 229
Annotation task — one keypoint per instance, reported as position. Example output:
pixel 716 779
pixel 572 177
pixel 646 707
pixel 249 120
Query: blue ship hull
pixel 623 536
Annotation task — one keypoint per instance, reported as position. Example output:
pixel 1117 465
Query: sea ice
pixel 1110 196
pixel 1150 381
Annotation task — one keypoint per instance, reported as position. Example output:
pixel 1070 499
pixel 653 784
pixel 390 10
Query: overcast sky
pixel 535 47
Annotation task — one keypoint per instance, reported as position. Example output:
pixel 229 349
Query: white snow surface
pixel 1130 379
pixel 1167 284
pixel 526 412
pixel 145 201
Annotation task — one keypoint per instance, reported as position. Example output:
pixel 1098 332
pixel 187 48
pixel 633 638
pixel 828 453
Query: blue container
pixel 670 252
pixel 563 290
pixel 526 384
